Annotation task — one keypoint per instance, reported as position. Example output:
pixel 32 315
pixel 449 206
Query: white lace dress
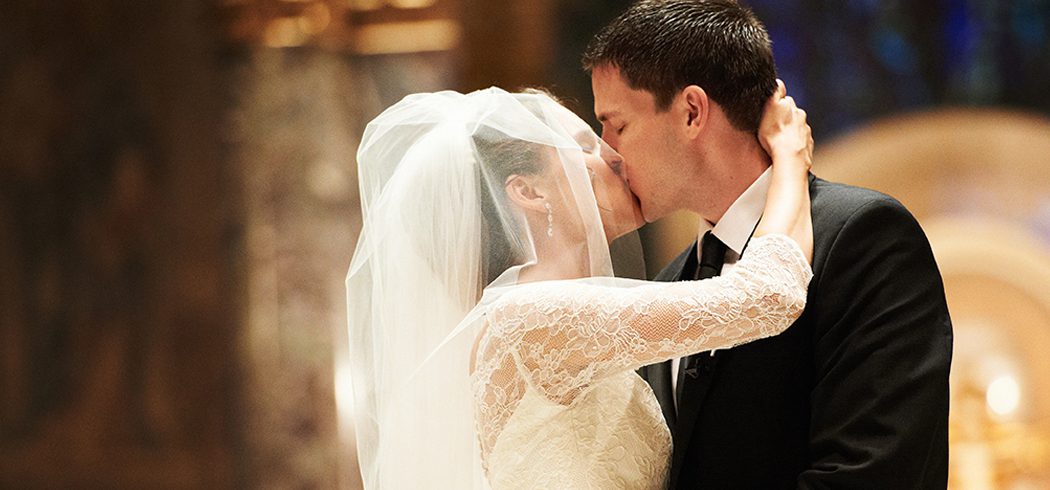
pixel 557 402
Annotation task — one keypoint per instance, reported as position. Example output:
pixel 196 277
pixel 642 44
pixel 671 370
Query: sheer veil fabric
pixel 490 346
pixel 439 233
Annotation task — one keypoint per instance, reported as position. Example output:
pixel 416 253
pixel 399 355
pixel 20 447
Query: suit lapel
pixel 659 375
pixel 694 391
pixel 694 384
pixel 673 271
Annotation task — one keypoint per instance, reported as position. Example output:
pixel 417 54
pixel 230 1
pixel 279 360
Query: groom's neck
pixel 735 162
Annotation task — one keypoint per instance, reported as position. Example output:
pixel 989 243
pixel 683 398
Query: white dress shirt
pixel 734 229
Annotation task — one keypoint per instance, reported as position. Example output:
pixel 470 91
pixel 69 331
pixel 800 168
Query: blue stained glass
pixel 863 6
pixel 1028 26
pixel 959 32
pixel 894 51
pixel 850 61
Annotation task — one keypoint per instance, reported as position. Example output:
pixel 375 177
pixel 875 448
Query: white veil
pixel 438 229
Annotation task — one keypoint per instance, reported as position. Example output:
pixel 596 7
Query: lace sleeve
pixel 565 335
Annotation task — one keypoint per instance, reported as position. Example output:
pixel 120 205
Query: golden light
pixel 407 37
pixel 1003 396
pixel 365 5
pixel 315 19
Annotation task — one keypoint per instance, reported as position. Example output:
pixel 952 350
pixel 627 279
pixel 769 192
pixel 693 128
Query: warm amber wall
pixel 119 240
pixel 177 214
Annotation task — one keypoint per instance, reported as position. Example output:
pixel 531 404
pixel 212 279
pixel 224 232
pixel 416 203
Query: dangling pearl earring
pixel 550 219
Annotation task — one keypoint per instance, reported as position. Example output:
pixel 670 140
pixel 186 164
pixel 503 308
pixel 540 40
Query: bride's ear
pixel 524 194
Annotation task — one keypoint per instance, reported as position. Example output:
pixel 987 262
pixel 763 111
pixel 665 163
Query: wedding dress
pixel 465 377
pixel 558 404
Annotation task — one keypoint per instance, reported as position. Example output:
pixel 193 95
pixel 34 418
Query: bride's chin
pixel 639 217
pixel 622 218
pixel 623 227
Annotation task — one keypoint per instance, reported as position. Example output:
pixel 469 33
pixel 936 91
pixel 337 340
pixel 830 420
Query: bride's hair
pixel 499 158
pixel 502 156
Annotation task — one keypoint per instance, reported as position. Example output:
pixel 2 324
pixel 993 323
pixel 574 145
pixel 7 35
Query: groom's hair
pixel 663 46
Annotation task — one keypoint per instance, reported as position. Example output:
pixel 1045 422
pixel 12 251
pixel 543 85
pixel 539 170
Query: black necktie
pixel 712 257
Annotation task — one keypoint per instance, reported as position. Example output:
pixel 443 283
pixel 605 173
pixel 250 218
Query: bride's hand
pixel 784 134
pixel 787 138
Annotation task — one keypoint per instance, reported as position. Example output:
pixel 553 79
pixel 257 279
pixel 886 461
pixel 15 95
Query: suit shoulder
pixel 835 202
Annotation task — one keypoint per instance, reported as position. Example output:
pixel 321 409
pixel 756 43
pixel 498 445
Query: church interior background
pixel 178 210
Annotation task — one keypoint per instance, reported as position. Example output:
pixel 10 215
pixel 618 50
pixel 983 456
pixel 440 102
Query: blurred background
pixel 178 209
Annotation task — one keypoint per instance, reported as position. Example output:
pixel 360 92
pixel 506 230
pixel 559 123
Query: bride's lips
pixel 627 184
pixel 634 197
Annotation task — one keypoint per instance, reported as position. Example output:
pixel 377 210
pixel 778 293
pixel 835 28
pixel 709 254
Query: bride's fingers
pixel 809 147
pixel 778 95
pixel 782 111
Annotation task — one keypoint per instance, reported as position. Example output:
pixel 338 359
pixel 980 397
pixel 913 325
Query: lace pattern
pixel 560 338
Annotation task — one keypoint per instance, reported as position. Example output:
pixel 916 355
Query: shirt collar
pixel 739 221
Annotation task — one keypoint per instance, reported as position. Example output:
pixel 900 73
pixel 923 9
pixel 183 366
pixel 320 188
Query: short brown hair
pixel 663 46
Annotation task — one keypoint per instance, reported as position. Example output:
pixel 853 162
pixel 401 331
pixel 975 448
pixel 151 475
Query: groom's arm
pixel 882 350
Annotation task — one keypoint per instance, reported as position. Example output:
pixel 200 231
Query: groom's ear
pixel 694 107
pixel 524 194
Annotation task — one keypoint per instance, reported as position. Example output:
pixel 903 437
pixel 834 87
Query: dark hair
pixel 500 157
pixel 663 46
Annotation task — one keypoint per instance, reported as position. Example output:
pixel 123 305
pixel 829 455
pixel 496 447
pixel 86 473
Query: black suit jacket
pixel 855 394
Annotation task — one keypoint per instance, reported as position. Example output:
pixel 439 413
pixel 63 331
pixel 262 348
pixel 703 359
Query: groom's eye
pixel 619 130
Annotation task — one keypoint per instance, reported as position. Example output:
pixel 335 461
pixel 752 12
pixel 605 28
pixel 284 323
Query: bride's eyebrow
pixel 585 135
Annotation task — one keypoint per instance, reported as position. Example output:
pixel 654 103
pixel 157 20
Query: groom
pixel 855 393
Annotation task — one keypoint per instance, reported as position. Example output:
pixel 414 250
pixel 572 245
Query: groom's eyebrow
pixel 605 116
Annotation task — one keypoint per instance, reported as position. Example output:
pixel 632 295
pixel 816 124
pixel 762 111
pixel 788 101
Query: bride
pixel 491 347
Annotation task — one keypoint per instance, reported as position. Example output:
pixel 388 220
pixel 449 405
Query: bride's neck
pixel 556 259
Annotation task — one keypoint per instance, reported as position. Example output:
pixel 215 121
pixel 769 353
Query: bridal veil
pixel 439 233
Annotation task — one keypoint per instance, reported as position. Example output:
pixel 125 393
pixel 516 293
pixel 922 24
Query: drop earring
pixel 550 219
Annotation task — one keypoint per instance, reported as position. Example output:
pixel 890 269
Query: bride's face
pixel 618 207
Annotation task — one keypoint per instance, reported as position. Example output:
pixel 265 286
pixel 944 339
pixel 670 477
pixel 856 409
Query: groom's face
pixel 644 136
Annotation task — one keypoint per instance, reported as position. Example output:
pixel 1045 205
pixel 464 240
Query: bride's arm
pixel 788 140
pixel 568 334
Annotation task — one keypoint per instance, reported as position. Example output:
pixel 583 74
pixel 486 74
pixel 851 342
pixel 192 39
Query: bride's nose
pixel 613 159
